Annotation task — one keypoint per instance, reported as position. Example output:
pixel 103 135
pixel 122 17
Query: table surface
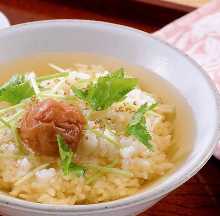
pixel 183 5
pixel 200 196
pixel 194 3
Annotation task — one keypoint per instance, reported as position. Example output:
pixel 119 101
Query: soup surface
pixel 82 129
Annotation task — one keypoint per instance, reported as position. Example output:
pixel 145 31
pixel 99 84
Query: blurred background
pixel 148 15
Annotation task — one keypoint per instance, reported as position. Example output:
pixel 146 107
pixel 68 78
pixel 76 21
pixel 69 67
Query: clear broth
pixel 149 81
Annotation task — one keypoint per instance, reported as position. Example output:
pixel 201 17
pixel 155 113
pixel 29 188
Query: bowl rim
pixel 142 197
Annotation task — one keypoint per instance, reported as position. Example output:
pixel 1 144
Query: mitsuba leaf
pixel 66 157
pixel 107 90
pixel 137 125
pixel 16 89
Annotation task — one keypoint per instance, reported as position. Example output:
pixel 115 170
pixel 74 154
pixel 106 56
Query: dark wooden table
pixel 200 196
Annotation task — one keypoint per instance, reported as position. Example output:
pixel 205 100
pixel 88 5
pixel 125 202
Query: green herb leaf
pixel 152 106
pixel 77 169
pixel 80 93
pixel 107 90
pixel 137 126
pixel 66 156
pixel 16 89
pixel 118 73
pixel 141 133
pixel 139 115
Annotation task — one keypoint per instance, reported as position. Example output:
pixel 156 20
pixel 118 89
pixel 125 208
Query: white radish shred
pixel 58 86
pixel 32 78
pixel 102 74
pixel 79 75
pixel 57 68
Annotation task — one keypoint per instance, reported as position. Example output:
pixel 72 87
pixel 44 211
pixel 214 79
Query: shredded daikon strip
pixel 32 78
pixel 58 86
pixel 57 68
pixel 7 109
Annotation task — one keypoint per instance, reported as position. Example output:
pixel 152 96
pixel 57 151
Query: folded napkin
pixel 198 35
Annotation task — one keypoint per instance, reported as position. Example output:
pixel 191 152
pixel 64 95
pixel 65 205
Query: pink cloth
pixel 198 35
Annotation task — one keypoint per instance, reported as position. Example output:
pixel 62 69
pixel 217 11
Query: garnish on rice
pixel 106 90
pixel 44 119
pixel 81 135
pixel 137 126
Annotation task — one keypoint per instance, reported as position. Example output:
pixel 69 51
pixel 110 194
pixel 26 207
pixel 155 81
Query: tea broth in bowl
pixel 117 146
pixel 88 130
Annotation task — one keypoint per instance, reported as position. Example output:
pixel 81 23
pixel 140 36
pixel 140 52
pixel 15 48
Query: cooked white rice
pixel 129 165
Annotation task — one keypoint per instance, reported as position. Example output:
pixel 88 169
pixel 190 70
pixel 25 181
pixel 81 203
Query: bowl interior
pixel 137 48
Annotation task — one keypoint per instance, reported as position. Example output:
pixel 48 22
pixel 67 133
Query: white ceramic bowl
pixel 135 47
